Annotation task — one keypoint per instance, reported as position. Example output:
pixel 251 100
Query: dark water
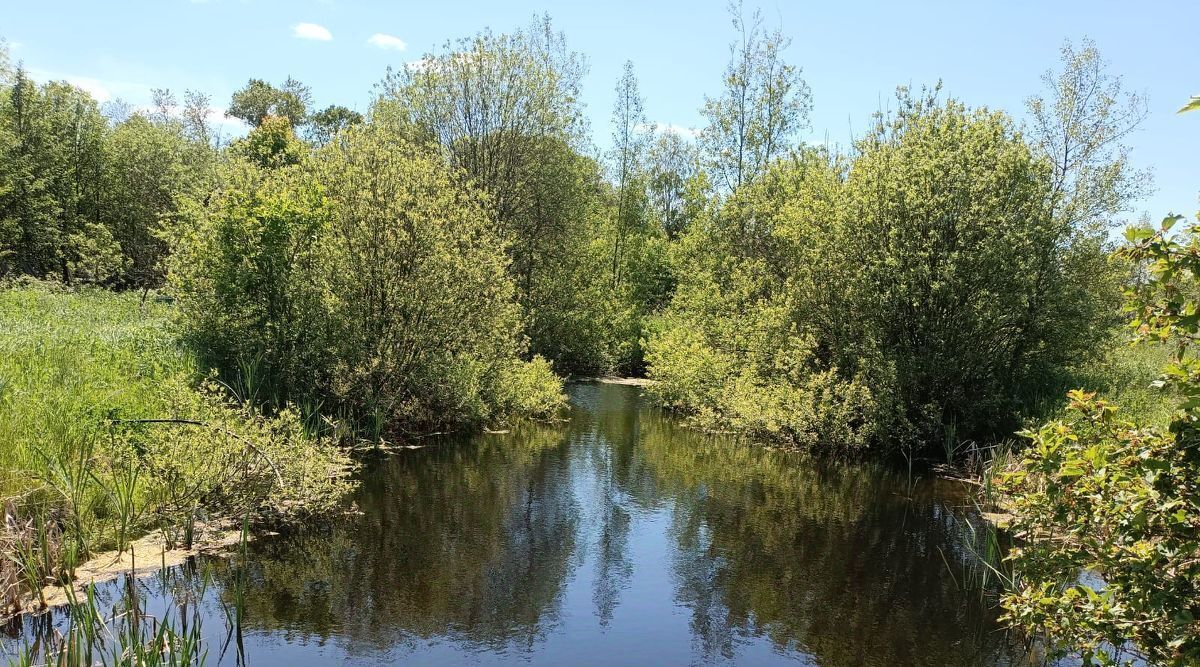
pixel 620 538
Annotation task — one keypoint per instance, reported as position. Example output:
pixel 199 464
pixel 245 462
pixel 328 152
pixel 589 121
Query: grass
pixel 109 429
pixel 1122 376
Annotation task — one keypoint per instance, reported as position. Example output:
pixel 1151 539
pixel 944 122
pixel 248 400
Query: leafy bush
pixel 1106 511
pixel 364 279
pixel 922 288
pixel 795 404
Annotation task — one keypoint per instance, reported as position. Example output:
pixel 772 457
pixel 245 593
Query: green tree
pixel 629 146
pixel 1079 125
pixel 324 125
pixel 53 164
pixel 258 99
pixel 504 111
pixel 951 235
pixel 672 165
pixel 365 278
pixel 764 104
pixel 272 144
pixel 146 169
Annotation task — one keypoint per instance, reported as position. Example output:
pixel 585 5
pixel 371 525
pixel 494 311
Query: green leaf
pixel 1138 234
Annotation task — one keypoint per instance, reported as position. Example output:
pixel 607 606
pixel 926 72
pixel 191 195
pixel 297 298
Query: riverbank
pixel 111 431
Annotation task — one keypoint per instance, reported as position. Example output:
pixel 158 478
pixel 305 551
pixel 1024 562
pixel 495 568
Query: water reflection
pixel 622 538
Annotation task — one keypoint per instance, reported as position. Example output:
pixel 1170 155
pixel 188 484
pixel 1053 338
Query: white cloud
pixel 419 65
pixel 387 42
pixel 102 90
pixel 669 128
pixel 311 31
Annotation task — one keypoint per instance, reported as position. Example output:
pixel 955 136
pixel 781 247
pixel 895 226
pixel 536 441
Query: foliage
pixel 940 239
pixel 1078 127
pixel 149 163
pixel 52 164
pixel 106 425
pixel 258 100
pixel 764 103
pixel 324 125
pixel 362 276
pixel 1106 513
pixel 504 111
pixel 270 145
pixel 1107 510
pixel 82 199
pixel 955 245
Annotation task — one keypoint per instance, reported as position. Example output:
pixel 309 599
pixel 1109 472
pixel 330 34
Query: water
pixel 618 538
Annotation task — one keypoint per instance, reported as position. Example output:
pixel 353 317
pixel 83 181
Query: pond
pixel 617 538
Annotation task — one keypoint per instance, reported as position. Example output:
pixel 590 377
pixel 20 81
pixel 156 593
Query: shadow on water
pixel 617 538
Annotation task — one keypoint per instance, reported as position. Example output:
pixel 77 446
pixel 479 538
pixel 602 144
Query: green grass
pixel 68 361
pixel 1122 376
pixel 109 429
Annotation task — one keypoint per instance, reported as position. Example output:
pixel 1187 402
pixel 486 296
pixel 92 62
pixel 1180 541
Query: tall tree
pixel 504 110
pixel 196 107
pixel 324 125
pixel 1079 125
pixel 764 104
pixel 629 143
pixel 259 99
pixel 672 163
pixel 54 163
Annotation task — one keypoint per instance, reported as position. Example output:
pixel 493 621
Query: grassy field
pixel 109 429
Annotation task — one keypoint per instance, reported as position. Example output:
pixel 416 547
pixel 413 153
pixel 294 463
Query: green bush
pixel 1105 515
pixel 363 279
pixel 921 289
pixel 1104 510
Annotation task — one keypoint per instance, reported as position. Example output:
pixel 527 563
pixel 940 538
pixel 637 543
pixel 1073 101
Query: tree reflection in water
pixel 621 537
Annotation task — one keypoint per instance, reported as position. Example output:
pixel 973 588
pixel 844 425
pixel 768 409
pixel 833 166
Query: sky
pixel 853 54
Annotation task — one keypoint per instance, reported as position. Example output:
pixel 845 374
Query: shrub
pixel 1106 511
pixel 922 289
pixel 365 279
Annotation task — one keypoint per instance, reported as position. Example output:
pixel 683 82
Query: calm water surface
pixel 619 538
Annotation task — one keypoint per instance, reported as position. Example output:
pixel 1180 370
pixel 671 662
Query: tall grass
pixel 109 429
pixel 124 632
pixel 1122 375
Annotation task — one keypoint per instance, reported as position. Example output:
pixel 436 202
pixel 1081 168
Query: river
pixel 619 537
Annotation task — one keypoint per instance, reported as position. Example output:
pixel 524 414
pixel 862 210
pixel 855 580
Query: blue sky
pixel 853 54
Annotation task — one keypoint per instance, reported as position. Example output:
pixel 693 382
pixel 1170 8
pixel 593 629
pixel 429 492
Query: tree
pixel 629 143
pixel 504 111
pixel 948 224
pixel 271 145
pixel 324 125
pixel 53 162
pixel 196 107
pixel 364 277
pixel 1101 494
pixel 672 165
pixel 764 104
pixel 6 69
pixel 258 99
pixel 147 168
pixel 1079 126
